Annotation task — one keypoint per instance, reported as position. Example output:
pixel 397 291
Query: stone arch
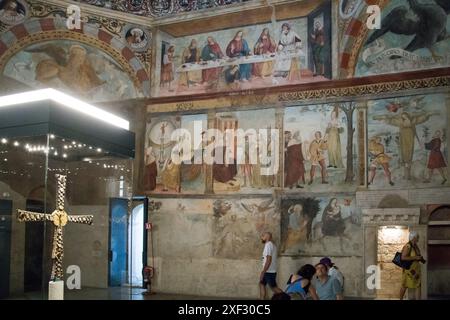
pixel 34 31
pixel 442 212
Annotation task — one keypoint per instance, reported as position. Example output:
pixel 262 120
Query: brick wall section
pixel 389 242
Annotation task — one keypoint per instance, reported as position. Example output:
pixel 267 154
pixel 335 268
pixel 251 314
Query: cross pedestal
pixel 56 290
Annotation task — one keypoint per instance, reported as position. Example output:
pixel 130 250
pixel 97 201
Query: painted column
pixel 335 38
pixel 447 102
pixel 155 63
pixel 279 124
pixel 209 181
pixel 361 126
pixel 139 126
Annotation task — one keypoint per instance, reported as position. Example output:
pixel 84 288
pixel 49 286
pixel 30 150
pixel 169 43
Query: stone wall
pixel 390 240
pixel 17 241
pixel 87 246
pixel 198 253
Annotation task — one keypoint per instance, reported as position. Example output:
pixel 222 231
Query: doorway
pixel 5 246
pixel 439 253
pixel 117 253
pixel 127 241
pixel 137 241
pixel 390 240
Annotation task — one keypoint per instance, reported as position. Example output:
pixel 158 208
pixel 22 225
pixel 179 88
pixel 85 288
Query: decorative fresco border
pixel 160 8
pixel 362 90
pixel 352 40
pixel 337 90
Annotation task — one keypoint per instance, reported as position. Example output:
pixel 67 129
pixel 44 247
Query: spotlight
pixel 16 143
pixel 4 140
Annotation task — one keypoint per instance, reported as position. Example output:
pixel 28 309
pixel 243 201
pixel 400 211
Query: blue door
pixel 118 241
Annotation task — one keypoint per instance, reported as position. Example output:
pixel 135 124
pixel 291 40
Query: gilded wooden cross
pixel 59 217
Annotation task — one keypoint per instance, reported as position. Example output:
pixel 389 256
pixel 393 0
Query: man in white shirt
pixel 269 272
pixel 333 271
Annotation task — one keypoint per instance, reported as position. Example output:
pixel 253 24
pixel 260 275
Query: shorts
pixel 270 278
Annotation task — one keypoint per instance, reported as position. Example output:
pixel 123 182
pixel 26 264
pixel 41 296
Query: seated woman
pixel 299 285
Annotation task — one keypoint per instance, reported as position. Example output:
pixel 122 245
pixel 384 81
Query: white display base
pixel 56 290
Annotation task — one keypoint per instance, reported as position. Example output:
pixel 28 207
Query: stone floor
pixel 127 293
pixel 123 293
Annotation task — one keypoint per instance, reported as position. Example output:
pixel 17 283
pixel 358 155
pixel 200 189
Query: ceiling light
pixel 67 101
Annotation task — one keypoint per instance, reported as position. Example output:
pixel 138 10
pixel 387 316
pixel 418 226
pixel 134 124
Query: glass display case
pixel 65 204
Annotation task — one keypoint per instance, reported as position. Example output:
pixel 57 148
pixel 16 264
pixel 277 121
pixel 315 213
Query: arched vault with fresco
pixel 413 36
pixel 90 64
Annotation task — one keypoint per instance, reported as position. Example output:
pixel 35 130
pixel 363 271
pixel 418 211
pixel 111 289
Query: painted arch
pixel 89 63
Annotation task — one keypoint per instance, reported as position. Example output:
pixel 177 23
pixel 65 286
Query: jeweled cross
pixel 59 217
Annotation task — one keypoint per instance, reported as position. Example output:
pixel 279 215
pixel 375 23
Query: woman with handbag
pixel 411 277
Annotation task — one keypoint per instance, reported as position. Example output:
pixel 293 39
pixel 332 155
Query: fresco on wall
pixel 71 66
pixel 258 56
pixel 182 228
pixel 163 142
pixel 320 226
pixel 348 8
pixel 138 39
pixel 320 148
pixel 247 168
pixel 204 228
pixel 413 36
pixel 13 12
pixel 407 142
pixel 238 225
